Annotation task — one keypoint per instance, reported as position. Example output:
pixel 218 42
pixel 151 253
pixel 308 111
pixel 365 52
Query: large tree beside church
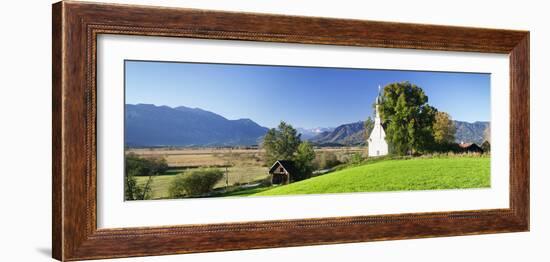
pixel 407 117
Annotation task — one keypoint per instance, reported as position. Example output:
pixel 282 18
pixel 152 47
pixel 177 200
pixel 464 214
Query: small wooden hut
pixel 281 171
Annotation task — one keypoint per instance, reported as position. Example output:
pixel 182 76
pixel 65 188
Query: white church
pixel 377 139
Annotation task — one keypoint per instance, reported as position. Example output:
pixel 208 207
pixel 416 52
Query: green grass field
pixel 394 175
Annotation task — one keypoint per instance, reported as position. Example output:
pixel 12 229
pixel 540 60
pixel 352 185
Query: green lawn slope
pixel 395 175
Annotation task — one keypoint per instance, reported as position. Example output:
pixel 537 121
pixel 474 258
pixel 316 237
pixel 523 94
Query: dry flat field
pixel 241 165
pixel 198 157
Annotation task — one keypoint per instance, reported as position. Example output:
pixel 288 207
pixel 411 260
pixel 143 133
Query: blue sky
pixel 305 97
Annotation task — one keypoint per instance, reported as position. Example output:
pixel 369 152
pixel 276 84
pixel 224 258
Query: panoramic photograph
pixel 204 130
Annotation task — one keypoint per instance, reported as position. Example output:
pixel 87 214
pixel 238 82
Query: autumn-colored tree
pixel 444 128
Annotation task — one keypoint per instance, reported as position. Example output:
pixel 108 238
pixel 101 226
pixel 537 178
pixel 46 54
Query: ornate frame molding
pixel 76 26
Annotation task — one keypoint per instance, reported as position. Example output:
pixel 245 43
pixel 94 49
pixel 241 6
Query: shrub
pixel 195 183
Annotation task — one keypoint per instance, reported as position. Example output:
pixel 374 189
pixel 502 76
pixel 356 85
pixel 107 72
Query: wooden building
pixel 470 148
pixel 281 171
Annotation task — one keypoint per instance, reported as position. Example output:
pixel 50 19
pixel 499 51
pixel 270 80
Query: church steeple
pixel 377 113
pixel 377 144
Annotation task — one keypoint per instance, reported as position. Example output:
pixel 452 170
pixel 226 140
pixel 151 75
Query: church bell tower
pixel 377 140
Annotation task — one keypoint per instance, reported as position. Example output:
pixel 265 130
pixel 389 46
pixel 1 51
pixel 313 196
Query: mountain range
pixel 472 132
pixel 308 133
pixel 347 134
pixel 149 125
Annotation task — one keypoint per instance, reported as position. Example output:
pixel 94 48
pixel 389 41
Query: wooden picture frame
pixel 76 26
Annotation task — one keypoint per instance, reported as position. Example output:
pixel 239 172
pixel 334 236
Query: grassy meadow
pixel 395 175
